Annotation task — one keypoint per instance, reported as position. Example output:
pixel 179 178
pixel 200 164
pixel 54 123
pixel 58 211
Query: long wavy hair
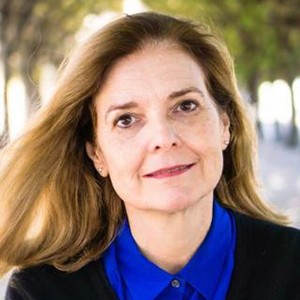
pixel 55 208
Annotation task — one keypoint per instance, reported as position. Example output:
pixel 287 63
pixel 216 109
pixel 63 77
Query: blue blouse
pixel 206 276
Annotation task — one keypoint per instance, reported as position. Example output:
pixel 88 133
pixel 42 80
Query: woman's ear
pixel 225 134
pixel 96 155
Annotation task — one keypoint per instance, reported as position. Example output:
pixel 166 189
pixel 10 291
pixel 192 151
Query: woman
pixel 137 180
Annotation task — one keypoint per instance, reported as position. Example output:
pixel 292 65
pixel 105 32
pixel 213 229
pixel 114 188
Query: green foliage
pixel 262 35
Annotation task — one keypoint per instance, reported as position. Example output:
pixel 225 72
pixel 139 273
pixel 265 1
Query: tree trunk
pixel 4 137
pixel 253 88
pixel 293 139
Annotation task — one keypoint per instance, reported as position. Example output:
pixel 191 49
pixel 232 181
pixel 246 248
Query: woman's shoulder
pixel 270 242
pixel 29 283
pixel 47 282
pixel 267 260
pixel 261 231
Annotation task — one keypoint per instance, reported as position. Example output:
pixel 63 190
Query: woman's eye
pixel 125 121
pixel 187 106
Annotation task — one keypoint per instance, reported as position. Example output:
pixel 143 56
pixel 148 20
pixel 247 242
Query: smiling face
pixel 159 134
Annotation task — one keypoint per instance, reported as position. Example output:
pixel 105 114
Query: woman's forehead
pixel 153 67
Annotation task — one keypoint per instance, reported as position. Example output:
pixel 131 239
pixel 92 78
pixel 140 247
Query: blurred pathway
pixel 280 174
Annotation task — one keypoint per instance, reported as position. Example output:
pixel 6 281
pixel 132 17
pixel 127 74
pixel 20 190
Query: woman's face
pixel 159 134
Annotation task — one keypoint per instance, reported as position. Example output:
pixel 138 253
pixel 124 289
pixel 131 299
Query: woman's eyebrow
pixel 182 92
pixel 126 105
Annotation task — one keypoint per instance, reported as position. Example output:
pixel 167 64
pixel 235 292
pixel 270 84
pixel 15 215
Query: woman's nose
pixel 162 135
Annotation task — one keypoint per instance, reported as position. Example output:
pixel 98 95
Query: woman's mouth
pixel 168 172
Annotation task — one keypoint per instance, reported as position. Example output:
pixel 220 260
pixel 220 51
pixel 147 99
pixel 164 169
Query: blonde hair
pixel 56 209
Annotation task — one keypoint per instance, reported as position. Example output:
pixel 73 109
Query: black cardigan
pixel 267 267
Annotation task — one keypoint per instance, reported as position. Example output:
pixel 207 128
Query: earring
pixel 226 142
pixel 100 170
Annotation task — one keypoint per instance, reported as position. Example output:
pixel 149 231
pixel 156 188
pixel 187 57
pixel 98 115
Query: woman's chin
pixel 175 205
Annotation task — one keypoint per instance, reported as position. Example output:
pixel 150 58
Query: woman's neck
pixel 170 240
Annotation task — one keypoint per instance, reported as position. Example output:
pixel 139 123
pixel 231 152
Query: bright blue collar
pixel 130 273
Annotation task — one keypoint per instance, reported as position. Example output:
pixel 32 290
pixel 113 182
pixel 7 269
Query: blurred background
pixel 263 36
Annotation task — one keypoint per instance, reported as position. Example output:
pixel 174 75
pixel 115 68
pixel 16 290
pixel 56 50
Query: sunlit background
pixel 275 103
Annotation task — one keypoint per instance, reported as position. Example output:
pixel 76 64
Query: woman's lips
pixel 168 172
